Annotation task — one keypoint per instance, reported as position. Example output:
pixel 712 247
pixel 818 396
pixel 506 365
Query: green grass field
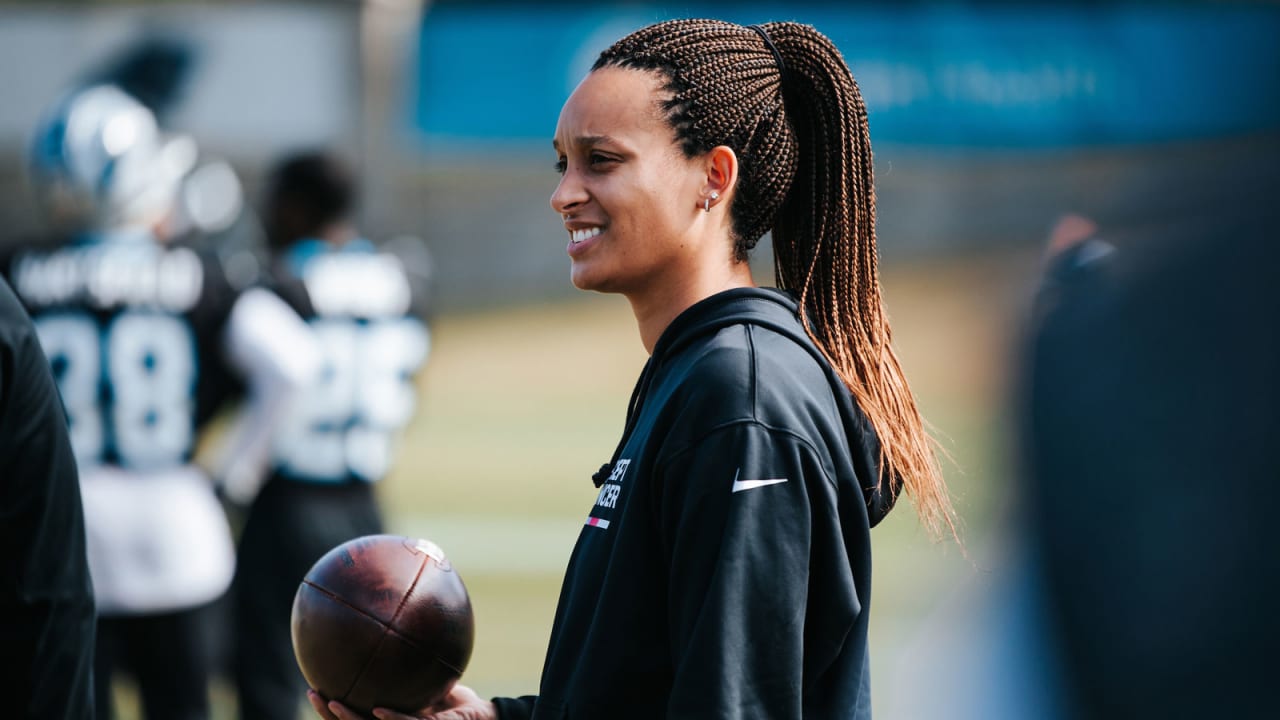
pixel 520 406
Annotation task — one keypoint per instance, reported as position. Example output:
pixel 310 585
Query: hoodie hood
pixel 777 311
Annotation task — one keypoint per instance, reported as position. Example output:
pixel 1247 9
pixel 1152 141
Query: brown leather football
pixel 383 621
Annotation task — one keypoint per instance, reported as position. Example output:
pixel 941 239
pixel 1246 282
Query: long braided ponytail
pixel 781 96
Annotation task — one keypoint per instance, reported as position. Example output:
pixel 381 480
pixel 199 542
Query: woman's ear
pixel 722 174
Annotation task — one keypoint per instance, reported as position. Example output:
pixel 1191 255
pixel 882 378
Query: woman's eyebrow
pixel 587 140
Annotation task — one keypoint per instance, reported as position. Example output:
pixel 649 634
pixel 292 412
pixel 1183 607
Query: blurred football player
pixel 366 308
pixel 147 337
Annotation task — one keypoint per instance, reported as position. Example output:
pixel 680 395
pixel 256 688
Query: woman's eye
pixel 593 160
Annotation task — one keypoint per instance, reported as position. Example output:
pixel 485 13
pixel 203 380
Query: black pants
pixel 290 526
pixel 168 656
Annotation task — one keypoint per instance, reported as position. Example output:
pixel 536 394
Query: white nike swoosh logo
pixel 740 485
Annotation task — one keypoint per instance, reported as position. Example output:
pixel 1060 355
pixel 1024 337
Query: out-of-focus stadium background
pixel 989 120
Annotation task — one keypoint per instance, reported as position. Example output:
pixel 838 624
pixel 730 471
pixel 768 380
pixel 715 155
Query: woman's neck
pixel 658 306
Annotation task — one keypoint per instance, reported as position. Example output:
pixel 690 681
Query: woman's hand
pixel 330 710
pixel 462 703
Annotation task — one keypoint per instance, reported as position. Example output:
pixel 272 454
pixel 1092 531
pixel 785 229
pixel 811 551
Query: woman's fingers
pixel 342 712
pixel 332 709
pixel 320 705
pixel 461 704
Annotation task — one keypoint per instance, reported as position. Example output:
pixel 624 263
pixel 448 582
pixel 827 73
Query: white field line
pixel 495 544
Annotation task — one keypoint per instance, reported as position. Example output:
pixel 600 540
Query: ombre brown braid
pixel 799 130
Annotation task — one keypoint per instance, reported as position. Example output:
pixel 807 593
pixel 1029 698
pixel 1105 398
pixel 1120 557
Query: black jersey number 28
pixel 127 386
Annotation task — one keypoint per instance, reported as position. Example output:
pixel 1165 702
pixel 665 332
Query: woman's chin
pixel 599 277
pixel 582 277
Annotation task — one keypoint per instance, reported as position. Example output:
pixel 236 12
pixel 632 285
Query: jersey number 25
pixel 347 424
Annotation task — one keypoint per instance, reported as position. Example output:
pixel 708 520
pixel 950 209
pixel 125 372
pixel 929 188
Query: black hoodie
pixel 725 568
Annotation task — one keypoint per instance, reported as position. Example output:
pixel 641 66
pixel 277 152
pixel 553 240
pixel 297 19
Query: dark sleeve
pixel 520 708
pixel 219 383
pixel 761 595
pixel 46 599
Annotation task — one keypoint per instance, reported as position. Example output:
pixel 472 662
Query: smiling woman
pixel 638 210
pixel 724 569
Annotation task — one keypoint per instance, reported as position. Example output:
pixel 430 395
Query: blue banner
pixel 945 75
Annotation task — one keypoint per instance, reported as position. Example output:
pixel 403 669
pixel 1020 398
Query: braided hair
pixel 782 98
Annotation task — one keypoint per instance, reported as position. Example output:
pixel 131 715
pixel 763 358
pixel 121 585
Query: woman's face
pixel 628 196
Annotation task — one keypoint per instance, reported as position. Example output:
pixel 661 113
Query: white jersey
pixel 363 308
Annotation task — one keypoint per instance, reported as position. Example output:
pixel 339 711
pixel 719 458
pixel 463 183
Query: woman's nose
pixel 569 194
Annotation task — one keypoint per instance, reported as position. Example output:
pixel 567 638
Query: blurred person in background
pixel 1137 575
pixel 724 570
pixel 46 597
pixel 147 337
pixel 367 309
pixel 1150 430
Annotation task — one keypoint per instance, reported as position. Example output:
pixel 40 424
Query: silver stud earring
pixel 706 203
